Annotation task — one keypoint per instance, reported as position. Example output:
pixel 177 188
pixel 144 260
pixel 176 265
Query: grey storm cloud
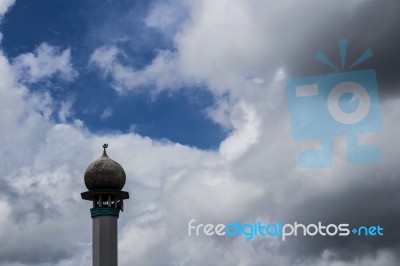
pixel 369 25
pixel 373 202
pixel 374 199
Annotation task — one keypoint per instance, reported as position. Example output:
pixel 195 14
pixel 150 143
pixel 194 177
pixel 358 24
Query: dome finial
pixel 105 146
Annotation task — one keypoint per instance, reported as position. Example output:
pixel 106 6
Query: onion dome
pixel 105 173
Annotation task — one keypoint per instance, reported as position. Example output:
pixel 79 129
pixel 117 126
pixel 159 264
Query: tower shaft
pixel 105 243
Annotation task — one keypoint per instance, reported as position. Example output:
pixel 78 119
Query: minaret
pixel 105 178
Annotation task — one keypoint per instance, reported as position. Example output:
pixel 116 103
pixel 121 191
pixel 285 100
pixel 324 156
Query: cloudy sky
pixel 191 98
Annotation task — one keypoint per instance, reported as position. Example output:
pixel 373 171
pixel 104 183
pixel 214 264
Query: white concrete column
pixel 105 242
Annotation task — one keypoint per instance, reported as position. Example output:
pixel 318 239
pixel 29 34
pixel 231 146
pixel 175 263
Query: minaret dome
pixel 104 173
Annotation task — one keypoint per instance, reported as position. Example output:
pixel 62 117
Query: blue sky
pixel 176 115
pixel 191 98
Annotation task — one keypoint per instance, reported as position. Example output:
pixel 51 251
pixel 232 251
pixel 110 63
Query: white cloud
pixel 247 126
pixel 108 112
pixel 5 5
pixel 65 111
pixel 163 16
pixel 45 62
pixel 162 73
pixel 220 112
pixel 105 57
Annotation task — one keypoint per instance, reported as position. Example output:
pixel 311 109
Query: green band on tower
pixel 103 211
